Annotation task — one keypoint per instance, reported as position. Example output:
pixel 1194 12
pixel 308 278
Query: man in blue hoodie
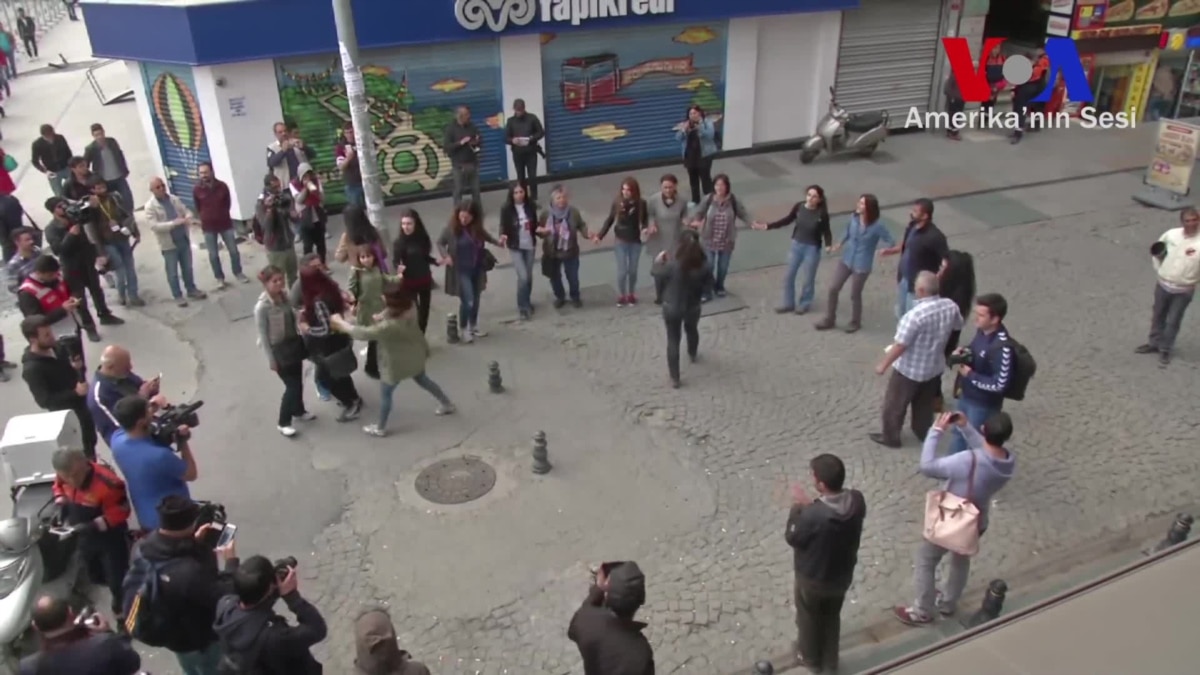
pixel 977 474
pixel 982 383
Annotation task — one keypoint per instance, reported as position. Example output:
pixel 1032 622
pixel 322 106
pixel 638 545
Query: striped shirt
pixel 924 330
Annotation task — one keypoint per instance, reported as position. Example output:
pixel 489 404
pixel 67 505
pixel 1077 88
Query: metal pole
pixel 360 116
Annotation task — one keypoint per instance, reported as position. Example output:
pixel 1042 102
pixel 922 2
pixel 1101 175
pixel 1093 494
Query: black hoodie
pixel 192 589
pixel 824 537
pixel 284 649
pixel 52 382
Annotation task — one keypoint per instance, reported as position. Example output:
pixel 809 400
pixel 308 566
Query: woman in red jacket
pixel 7 186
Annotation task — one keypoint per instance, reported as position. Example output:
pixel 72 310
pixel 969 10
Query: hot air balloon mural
pixel 178 124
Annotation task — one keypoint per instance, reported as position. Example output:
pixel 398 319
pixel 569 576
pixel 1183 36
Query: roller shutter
pixel 888 56
pixel 178 126
pixel 614 97
pixel 413 93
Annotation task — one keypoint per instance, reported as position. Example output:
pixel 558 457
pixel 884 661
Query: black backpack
pixel 1024 367
pixel 147 618
pixel 245 662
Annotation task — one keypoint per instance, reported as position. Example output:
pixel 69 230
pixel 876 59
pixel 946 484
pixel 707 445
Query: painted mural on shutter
pixel 178 126
pixel 617 97
pixel 412 93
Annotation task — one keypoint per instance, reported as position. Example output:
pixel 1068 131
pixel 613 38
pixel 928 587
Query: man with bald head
pixel 114 381
pixel 171 223
pixel 75 645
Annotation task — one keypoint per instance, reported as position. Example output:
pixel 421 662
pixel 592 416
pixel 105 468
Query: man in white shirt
pixel 1176 258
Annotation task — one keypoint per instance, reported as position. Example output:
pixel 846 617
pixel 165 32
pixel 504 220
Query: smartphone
pixel 227 535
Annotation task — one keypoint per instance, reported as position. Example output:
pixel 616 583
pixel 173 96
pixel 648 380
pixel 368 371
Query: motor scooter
pixel 35 556
pixel 839 132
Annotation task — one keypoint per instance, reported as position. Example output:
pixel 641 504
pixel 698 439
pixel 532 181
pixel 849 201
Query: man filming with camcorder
pixel 142 448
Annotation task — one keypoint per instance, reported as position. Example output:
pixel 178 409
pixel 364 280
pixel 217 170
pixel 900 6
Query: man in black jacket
pixel 463 144
pixel 107 160
pixel 609 640
pixel 192 583
pixel 254 636
pixel 28 32
pixel 51 154
pixel 76 645
pixel 824 534
pixel 524 132
pixel 923 249
pixel 55 382
pixel 69 241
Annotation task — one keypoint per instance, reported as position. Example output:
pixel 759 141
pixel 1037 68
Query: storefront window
pixel 1112 87
pixel 1189 99
pixel 1164 88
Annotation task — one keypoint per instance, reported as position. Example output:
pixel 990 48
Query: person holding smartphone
pixel 698 140
pixel 114 381
pixel 609 640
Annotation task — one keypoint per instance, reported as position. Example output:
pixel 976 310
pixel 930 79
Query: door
pixel 178 127
pixel 888 57
pixel 412 95
pixel 614 97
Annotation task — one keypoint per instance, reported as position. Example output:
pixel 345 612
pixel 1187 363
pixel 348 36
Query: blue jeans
pixel 904 299
pixel 719 260
pixel 522 261
pixel 423 381
pixel 355 195
pixel 569 268
pixel 120 261
pixel 214 252
pixel 627 266
pixel 468 298
pixel 976 413
pixel 203 662
pixel 179 264
pixel 806 257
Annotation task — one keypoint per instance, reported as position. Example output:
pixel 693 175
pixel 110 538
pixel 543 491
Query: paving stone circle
pixel 456 481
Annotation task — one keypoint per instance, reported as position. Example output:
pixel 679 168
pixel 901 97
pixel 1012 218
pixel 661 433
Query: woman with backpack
pixel 716 219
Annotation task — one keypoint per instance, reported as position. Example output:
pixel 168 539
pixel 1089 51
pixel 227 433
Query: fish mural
pixel 607 132
pixel 695 35
pixel 412 94
pixel 178 124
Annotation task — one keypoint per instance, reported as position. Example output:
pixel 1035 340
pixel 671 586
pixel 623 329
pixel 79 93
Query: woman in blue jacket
pixel 698 138
pixel 863 234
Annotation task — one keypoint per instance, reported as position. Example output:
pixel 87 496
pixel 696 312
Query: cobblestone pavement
pixel 1099 425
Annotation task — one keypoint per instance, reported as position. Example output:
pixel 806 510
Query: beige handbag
pixel 952 522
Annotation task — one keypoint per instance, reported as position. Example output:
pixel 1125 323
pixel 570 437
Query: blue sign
pixel 250 30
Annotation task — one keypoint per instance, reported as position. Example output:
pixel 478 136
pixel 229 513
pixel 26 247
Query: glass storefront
pixel 1189 96
pixel 1165 86
pixel 1113 87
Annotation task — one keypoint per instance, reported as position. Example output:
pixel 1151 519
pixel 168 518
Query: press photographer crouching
pixel 609 640
pixel 253 637
pixel 143 452
pixel 72 644
pixel 114 380
pixel 55 378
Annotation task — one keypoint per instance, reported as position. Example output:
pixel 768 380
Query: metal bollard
pixel 993 604
pixel 1177 534
pixel 495 384
pixel 452 329
pixel 541 454
pixel 764 668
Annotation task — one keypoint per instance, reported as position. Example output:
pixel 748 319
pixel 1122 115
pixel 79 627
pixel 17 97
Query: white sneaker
pixel 468 337
pixel 363 352
pixel 374 430
pixel 287 431
pixel 445 410
pixel 477 332
pixel 306 417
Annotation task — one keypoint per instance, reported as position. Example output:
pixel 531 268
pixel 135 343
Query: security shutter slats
pixel 178 125
pixel 888 55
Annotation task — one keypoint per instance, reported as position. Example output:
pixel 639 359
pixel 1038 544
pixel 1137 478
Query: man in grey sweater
pixel 978 475
pixel 666 211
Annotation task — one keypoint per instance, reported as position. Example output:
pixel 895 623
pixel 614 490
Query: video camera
pixel 164 426
pixel 80 211
pixel 960 357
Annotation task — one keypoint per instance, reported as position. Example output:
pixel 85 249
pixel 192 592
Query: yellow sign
pixel 1174 155
pixel 1139 88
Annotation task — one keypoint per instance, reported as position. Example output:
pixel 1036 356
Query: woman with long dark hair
pixel 332 353
pixel 862 236
pixel 359 234
pixel 698 141
pixel 628 218
pixel 413 254
pixel 958 284
pixel 810 233
pixel 280 339
pixel 716 218
pixel 685 279
pixel 461 246
pixel 518 227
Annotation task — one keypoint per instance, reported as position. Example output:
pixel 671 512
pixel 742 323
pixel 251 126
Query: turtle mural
pixel 178 124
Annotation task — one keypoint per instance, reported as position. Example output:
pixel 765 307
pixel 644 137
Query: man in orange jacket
pixel 95 504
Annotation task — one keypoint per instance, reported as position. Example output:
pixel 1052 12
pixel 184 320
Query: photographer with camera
pixel 985 366
pixel 175 582
pixel 273 218
pixel 114 231
pixel 253 638
pixel 92 501
pixel 114 381
pixel 76 644
pixel 68 240
pixel 56 379
pixel 609 640
pixel 151 468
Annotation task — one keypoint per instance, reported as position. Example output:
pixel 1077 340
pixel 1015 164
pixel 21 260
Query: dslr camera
pixel 164 426
pixel 960 357
pixel 285 565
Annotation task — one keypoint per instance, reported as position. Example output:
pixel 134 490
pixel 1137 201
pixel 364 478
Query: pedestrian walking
pixel 358 234
pixel 413 253
pixel 811 234
pixel 916 359
pixel 171 222
pixel 280 339
pixel 562 227
pixel 628 218
pixel 213 204
pixel 8 45
pixel 975 476
pixel 403 352
pixel 273 217
pixel 51 154
pixel 698 141
pixel 70 4
pixel 106 159
pixel 461 246
pixel 346 159
pixel 716 219
pixel 524 133
pixel 331 352
pixel 518 227
pixel 667 213
pixel 308 199
pixel 824 533
pixel 1176 260
pixel 685 278
pixel 1023 95
pixel 366 288
pixel 863 233
pixel 954 107
pixel 463 144
pixel 28 32
pixel 923 249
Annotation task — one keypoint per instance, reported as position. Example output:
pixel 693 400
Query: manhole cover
pixel 456 481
